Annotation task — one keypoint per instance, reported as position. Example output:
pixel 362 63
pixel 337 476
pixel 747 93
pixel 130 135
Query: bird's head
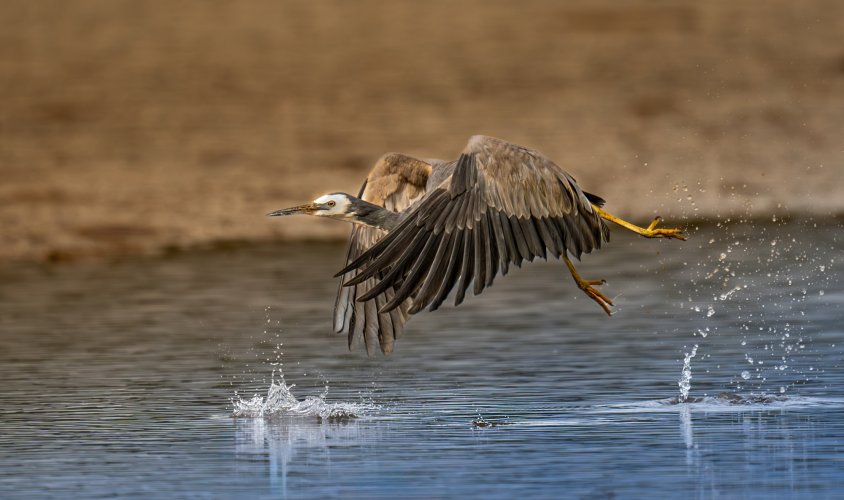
pixel 335 205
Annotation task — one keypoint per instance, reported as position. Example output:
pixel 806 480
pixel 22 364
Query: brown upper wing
pixel 395 183
pixel 503 204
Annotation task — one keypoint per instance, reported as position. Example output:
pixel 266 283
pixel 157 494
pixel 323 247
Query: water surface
pixel 123 378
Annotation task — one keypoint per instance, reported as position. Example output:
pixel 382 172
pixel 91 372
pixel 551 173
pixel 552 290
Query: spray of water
pixel 685 381
pixel 280 402
pixel 758 282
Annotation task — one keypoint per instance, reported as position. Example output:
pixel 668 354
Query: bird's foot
pixel 652 232
pixel 596 295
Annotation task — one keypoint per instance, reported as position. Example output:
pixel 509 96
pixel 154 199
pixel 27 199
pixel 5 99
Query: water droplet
pixel 745 375
pixel 710 312
pixel 685 381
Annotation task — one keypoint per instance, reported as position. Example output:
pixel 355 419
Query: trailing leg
pixel 649 232
pixel 586 286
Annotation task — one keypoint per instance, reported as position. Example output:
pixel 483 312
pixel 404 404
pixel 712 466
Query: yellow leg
pixel 649 232
pixel 586 286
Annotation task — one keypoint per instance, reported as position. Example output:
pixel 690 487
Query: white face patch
pixel 334 205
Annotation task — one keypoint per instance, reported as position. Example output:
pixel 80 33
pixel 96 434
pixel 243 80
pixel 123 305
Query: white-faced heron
pixel 423 228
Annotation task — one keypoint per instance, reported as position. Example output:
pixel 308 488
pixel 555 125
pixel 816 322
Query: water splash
pixel 760 279
pixel 685 381
pixel 280 402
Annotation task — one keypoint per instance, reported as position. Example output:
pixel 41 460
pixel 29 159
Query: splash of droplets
pixel 726 295
pixel 759 276
pixel 280 402
pixel 685 381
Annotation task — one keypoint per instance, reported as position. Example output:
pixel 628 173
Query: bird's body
pixel 425 228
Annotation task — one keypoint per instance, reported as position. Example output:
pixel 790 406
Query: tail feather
pixel 595 200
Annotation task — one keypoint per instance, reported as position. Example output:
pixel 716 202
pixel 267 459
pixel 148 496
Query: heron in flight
pixel 424 228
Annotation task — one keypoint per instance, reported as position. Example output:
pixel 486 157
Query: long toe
pixel 655 223
pixel 670 233
pixel 602 296
pixel 653 232
pixel 598 296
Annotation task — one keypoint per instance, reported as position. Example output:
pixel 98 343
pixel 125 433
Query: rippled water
pixel 150 377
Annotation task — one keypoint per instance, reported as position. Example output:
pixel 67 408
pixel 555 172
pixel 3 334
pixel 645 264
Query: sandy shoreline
pixel 130 129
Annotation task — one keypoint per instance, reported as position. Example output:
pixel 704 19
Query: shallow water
pixel 123 379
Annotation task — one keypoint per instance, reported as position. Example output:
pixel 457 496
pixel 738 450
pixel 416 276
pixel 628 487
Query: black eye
pixel 332 203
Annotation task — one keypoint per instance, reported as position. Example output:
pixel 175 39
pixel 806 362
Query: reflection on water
pixel 687 433
pixel 281 442
pixel 123 379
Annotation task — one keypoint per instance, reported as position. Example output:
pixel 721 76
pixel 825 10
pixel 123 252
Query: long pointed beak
pixel 301 209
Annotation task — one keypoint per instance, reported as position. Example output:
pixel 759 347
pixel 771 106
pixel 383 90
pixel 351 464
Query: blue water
pixel 122 379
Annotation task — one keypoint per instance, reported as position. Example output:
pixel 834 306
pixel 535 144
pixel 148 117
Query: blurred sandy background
pixel 147 126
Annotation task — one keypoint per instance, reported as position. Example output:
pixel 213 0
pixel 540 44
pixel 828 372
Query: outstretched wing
pixel 395 183
pixel 502 204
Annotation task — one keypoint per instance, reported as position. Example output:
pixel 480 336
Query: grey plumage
pixel 461 223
